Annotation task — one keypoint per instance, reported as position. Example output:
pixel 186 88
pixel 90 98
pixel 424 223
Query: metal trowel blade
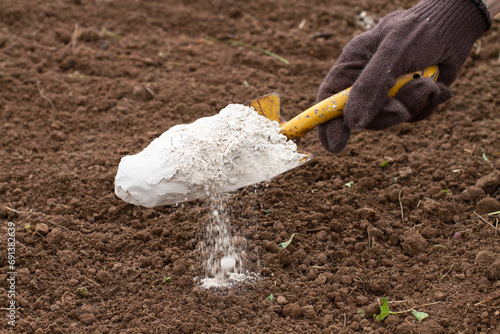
pixel 269 106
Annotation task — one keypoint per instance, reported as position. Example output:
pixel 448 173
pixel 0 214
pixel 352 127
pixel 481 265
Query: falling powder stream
pixel 222 262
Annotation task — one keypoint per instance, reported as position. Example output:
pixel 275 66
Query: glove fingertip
pixel 334 135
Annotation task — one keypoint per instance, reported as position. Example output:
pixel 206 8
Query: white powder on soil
pixel 232 279
pixel 216 154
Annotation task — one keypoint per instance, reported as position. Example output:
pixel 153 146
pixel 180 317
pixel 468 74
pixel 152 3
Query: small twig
pixel 317 229
pixel 496 192
pixel 371 241
pixel 496 226
pixel 50 221
pixel 413 308
pixel 62 297
pixel 408 301
pixel 399 301
pixel 34 283
pixel 467 309
pixel 345 321
pixel 484 220
pixel 30 213
pixel 74 38
pixel 401 206
pixel 302 24
pixel 488 299
pixel 40 91
pixel 429 304
pixel 10 209
pixel 38 233
pixel 150 91
pixel 315 267
pixel 441 278
pixel 369 238
pixel 135 276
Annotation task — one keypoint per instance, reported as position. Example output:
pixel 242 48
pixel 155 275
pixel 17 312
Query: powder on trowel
pixel 215 154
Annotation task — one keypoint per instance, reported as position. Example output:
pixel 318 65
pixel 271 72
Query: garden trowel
pixel 155 176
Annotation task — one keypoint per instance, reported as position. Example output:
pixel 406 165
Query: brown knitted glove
pixel 440 32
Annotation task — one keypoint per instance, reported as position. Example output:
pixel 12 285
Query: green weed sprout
pixel 485 157
pixel 349 184
pixel 83 292
pixel 285 244
pixel 384 312
pixel 253 47
pixel 113 35
pixel 448 192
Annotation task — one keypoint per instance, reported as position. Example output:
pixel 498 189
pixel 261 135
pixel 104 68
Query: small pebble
pixel 42 228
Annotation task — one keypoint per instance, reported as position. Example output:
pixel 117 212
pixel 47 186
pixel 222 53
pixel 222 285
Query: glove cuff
pixel 458 22
pixel 470 17
pixel 484 10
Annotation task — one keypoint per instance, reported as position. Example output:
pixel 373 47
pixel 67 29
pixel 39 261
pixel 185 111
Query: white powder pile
pixel 232 279
pixel 216 154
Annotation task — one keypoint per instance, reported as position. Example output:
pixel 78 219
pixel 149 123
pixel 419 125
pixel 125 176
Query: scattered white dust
pixel 232 279
pixel 366 21
pixel 216 154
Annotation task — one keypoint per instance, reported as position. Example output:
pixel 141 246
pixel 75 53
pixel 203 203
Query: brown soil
pixel 85 82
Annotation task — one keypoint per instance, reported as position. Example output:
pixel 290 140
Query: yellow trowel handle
pixel 333 106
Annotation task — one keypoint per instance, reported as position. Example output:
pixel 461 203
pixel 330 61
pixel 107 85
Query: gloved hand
pixel 434 32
